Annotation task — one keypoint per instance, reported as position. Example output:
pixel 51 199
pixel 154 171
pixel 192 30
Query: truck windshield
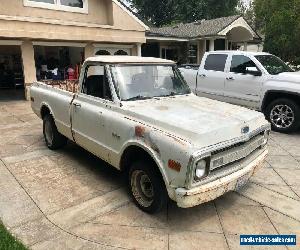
pixel 273 64
pixel 137 82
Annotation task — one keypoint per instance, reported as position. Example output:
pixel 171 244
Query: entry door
pixel 241 87
pixel 89 112
pixel 211 76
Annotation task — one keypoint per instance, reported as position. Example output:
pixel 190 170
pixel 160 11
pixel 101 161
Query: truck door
pixel 89 110
pixel 243 82
pixel 211 76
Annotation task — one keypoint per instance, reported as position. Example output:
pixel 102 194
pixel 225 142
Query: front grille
pixel 229 155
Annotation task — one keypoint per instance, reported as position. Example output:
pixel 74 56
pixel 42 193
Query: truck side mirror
pixel 253 71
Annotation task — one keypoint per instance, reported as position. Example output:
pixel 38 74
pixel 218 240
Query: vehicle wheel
pixel 147 187
pixel 284 115
pixel 54 140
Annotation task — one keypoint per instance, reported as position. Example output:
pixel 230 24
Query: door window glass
pixel 96 83
pixel 240 63
pixel 216 62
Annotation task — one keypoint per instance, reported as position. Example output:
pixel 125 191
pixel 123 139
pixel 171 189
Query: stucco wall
pixel 106 22
pixel 98 12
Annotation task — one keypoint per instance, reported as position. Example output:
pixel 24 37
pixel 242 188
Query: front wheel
pixel 284 115
pixel 147 187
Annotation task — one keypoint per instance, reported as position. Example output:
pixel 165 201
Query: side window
pixel 239 64
pixel 96 83
pixel 216 62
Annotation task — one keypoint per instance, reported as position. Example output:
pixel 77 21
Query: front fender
pixel 162 148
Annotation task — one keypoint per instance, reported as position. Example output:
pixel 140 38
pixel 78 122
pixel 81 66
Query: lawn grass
pixel 8 242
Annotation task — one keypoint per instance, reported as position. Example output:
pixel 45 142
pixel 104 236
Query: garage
pixel 58 61
pixel 11 70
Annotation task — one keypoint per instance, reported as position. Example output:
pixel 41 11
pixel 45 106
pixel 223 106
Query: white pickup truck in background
pixel 139 115
pixel 259 81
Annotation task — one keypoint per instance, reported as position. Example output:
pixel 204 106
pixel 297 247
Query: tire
pixel 284 115
pixel 151 197
pixel 54 140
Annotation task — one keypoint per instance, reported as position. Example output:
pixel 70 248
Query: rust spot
pixel 174 165
pixel 140 131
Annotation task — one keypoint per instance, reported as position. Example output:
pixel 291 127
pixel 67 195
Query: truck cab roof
pixel 237 52
pixel 128 60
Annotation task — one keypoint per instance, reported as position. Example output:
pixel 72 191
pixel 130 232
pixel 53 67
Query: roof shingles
pixel 195 29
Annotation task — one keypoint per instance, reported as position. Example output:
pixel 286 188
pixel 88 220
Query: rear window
pixel 216 62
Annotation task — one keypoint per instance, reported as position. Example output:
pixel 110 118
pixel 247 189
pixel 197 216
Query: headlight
pixel 201 169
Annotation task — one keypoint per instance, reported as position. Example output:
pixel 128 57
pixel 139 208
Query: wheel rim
pixel 142 188
pixel 48 132
pixel 282 116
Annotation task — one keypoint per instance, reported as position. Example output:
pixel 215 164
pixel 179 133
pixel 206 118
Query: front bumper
pixel 192 197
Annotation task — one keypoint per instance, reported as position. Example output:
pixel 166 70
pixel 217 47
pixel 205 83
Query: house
pixel 49 39
pixel 186 43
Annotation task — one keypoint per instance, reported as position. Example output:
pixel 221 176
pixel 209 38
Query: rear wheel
pixel 54 140
pixel 284 115
pixel 147 187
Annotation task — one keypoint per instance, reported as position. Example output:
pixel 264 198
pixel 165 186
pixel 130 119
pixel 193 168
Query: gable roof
pixel 131 13
pixel 195 29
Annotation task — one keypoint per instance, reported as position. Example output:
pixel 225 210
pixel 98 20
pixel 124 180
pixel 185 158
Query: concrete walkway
pixel 69 199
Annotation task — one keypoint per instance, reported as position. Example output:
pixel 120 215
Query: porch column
pixel 212 45
pixel 139 49
pixel 29 69
pixel 201 50
pixel 226 44
pixel 89 50
pixel 245 46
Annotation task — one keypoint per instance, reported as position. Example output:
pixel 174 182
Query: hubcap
pixel 48 132
pixel 142 188
pixel 282 116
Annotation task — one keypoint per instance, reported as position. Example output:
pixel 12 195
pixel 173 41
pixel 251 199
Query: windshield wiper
pixel 138 97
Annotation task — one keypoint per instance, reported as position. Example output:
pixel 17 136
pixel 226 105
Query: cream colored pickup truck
pixel 139 115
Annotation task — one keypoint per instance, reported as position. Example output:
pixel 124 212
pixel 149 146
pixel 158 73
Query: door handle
pixel 202 75
pixel 230 78
pixel 77 105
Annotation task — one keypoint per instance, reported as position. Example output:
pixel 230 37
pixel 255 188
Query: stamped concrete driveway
pixel 69 199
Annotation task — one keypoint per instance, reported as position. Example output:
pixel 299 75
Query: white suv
pixel 259 81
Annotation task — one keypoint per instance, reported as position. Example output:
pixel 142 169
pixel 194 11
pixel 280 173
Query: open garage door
pixel 11 72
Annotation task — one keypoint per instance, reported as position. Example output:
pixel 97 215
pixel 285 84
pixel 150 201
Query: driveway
pixel 69 199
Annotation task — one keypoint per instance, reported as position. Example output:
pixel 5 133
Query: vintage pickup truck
pixel 139 115
pixel 259 81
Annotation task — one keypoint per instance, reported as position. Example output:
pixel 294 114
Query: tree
pixel 246 9
pixel 279 20
pixel 166 12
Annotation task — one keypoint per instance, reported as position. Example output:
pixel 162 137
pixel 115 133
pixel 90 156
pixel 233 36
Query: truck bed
pixel 67 85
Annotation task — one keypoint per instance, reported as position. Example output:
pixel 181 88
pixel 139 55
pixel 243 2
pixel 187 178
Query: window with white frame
pixel 64 5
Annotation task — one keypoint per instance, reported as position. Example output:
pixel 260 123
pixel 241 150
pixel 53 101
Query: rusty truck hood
pixel 197 120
